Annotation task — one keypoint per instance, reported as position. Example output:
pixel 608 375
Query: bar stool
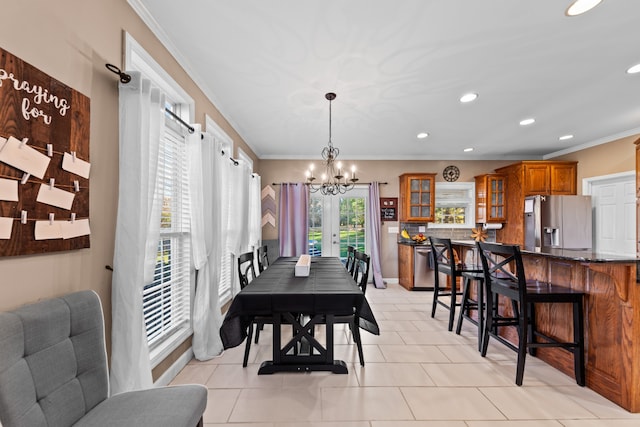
pixel 447 262
pixel 468 303
pixel 504 275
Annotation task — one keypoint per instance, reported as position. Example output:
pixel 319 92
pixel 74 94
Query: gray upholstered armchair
pixel 53 372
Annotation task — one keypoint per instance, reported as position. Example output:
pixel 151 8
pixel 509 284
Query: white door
pixel 336 222
pixel 613 199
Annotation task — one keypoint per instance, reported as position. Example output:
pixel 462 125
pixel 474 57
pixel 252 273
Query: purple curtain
pixel 293 223
pixel 374 215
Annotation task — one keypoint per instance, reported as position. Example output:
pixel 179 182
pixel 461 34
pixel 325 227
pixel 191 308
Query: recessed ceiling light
pixel 468 97
pixel 565 137
pixel 423 135
pixel 466 150
pixel 634 69
pixel 579 7
pixel 526 122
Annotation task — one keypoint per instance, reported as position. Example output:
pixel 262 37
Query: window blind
pixel 166 301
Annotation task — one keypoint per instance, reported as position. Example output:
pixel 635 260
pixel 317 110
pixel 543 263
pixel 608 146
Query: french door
pixel 336 222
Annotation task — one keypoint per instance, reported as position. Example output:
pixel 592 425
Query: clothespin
pixel 51 217
pixel 73 217
pixel 50 150
pixel 76 185
pixel 23 217
pixel 52 182
pixel 24 141
pixel 25 178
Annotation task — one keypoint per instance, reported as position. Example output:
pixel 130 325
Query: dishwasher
pixel 423 274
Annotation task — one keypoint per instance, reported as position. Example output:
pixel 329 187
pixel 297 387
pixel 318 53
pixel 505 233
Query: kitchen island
pixel 612 316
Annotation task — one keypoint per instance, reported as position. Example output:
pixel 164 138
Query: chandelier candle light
pixel 333 180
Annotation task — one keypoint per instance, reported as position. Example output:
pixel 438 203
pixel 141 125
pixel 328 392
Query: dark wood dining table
pixel 327 292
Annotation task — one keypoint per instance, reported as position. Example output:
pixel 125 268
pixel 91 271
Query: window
pixel 455 205
pixel 167 300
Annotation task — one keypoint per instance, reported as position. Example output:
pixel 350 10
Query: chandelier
pixel 334 180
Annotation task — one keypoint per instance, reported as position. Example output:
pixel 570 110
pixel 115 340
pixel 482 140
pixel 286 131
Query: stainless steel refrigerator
pixel 558 222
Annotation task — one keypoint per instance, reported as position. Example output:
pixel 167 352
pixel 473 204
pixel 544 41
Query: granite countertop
pixel 587 255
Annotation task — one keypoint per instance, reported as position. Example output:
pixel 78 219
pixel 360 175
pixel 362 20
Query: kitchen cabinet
pixel 541 177
pixel 405 266
pixel 637 143
pixel 491 198
pixel 417 197
pixel 528 178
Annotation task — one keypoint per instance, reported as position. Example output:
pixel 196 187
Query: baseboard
pixel 391 280
pixel 175 368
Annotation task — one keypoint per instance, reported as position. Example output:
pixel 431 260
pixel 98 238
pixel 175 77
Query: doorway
pixel 336 222
pixel 613 198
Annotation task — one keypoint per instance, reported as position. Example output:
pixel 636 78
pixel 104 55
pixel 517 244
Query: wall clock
pixel 451 173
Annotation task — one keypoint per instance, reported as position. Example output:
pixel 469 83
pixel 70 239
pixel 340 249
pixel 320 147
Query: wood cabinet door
pixel 563 179
pixel 491 194
pixel 536 179
pixel 405 266
pixel 496 199
pixel 481 199
pixel 417 194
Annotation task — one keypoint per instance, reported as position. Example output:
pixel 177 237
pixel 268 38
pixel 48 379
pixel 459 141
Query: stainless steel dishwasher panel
pixel 423 274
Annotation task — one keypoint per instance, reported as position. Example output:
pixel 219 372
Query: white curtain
pixel 137 231
pixel 238 214
pixel 255 211
pixel 206 229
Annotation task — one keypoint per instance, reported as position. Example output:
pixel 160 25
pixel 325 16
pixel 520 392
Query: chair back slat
pixel 246 270
pixel 445 257
pixel 503 266
pixel 361 270
pixel 350 264
pixel 263 258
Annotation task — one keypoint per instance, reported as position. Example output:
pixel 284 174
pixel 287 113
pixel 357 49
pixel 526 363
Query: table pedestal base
pixel 302 353
pixel 337 367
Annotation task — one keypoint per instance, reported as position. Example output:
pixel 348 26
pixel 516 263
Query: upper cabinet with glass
pixel 491 203
pixel 417 197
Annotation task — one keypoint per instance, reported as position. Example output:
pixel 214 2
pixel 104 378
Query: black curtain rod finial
pixel 124 77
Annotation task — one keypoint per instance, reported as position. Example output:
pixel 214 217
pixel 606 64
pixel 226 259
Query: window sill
pixel 162 350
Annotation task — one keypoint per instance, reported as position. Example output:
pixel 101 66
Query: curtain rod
pixel 360 183
pixel 126 78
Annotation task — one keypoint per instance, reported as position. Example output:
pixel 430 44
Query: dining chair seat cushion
pixel 176 406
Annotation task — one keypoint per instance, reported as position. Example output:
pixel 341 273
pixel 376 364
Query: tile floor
pixel 417 374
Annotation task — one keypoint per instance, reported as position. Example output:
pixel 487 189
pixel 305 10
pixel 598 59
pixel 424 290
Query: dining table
pixel 302 302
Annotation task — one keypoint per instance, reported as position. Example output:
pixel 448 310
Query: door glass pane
pixel 426 184
pixel 426 211
pixel 415 185
pixel 426 199
pixel 415 198
pixel 352 224
pixel 315 226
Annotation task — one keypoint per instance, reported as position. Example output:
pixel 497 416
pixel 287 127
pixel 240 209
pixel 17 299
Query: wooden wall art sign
pixel 388 209
pixel 44 162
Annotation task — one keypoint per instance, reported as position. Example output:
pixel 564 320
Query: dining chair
pixel 246 273
pixel 263 258
pixel 362 262
pixel 505 276
pixel 446 261
pixel 350 259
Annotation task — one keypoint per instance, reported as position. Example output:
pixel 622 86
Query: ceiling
pixel 399 68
